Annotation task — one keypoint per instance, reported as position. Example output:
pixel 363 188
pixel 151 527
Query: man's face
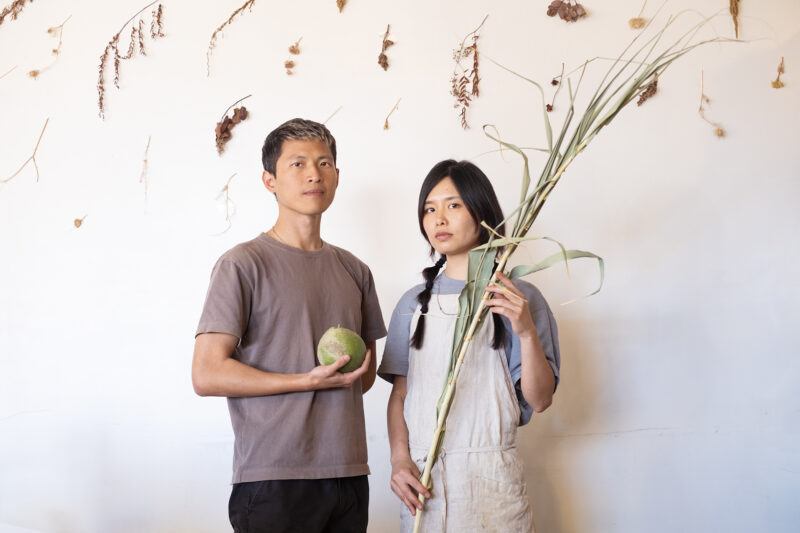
pixel 305 177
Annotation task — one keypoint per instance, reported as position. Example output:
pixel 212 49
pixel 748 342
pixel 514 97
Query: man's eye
pixel 297 164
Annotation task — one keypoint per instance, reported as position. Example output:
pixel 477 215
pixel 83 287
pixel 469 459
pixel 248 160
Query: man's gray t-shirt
pixel 395 354
pixel 279 300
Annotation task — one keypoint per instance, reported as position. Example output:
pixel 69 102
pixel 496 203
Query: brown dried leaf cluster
pixel 136 43
pixel 213 42
pixel 567 10
pixel 465 81
pixel 294 49
pixel 79 221
pixel 649 91
pixel 383 60
pixel 289 64
pixel 223 130
pixel 340 4
pixel 13 10
pixel 734 9
pixel 777 83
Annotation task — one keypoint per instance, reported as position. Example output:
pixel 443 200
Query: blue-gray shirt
pixel 395 354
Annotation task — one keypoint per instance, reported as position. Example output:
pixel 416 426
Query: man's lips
pixel 314 192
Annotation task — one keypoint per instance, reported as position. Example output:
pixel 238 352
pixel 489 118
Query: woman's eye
pixel 454 204
pixel 429 210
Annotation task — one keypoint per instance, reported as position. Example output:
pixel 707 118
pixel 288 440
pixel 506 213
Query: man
pixel 300 453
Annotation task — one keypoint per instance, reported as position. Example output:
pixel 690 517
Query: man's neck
pixel 298 231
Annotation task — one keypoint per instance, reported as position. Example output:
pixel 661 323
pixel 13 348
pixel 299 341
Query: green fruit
pixel 337 342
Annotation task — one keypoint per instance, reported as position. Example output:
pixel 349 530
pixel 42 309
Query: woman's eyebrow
pixel 443 199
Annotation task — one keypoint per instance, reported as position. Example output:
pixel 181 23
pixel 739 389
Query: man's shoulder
pixel 245 252
pixel 349 258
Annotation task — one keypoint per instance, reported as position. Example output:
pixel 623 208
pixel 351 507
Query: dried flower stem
pixel 734 9
pixel 222 131
pixel 340 4
pixel 719 131
pixel 331 115
pixel 79 221
pixel 465 81
pixel 32 158
pixel 383 59
pixel 294 49
pixel 549 107
pixel 213 42
pixel 638 22
pixel 13 10
pixel 230 206
pixel 59 32
pixel 143 177
pixel 9 71
pixel 386 122
pixel 777 83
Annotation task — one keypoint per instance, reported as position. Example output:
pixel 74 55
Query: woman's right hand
pixel 406 484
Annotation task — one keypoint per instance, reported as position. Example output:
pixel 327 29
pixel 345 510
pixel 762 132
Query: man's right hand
pixel 329 377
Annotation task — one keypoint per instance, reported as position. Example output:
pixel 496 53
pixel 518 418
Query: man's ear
pixel 269 181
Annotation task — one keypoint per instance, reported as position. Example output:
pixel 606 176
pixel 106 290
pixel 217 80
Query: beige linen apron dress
pixel 477 481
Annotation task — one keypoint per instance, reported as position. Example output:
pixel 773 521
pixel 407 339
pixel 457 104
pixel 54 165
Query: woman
pixel 511 369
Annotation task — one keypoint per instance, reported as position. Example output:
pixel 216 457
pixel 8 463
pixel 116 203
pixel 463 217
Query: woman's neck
pixel 456 266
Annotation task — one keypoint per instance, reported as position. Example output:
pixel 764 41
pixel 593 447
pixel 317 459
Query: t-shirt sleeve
pixel 227 305
pixel 372 326
pixel 395 353
pixel 548 336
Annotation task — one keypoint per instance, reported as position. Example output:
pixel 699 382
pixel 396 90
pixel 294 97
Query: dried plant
pixel 625 80
pixel 212 43
pixel 78 222
pixel 31 159
pixel 777 83
pixel 294 49
pixel 289 66
pixel 222 131
pixel 136 41
pixel 649 91
pixel 465 81
pixel 55 31
pixel 386 122
pixel 549 107
pixel 719 131
pixel 383 60
pixel 734 9
pixel 638 22
pixel 340 4
pixel 143 177
pixel 332 115
pixel 230 206
pixel 13 10
pixel 9 71
pixel 567 10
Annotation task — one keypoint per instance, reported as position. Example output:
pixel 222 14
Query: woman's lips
pixel 443 236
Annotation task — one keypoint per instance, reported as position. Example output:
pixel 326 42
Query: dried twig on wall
pixel 567 10
pixel 386 122
pixel 340 4
pixel 222 131
pixel 79 221
pixel 31 159
pixel 136 42
pixel 56 31
pixel 464 84
pixel 143 177
pixel 13 10
pixel 213 42
pixel 230 206
pixel 649 91
pixel 734 9
pixel 383 60
pixel 718 130
pixel 777 83
pixel 289 64
pixel 638 22
pixel 9 71
pixel 331 115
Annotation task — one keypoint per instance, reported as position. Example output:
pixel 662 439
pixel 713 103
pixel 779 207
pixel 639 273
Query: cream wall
pixel 678 408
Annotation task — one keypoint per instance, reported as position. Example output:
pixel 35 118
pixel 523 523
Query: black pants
pixel 337 505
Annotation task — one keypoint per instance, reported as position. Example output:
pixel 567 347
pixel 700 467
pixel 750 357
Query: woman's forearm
pixel 537 380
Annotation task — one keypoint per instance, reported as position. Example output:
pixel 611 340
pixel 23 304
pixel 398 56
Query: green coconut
pixel 337 342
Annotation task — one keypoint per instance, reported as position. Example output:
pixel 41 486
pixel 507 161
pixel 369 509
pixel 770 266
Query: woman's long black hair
pixel 480 199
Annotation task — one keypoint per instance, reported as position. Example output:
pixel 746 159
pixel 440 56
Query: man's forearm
pixel 233 378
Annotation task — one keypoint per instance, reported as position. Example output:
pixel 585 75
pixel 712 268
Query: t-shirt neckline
pixel 271 241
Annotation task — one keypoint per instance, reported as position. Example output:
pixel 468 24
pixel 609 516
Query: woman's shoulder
pixel 536 299
pixel 408 301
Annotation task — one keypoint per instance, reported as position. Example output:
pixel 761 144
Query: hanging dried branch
pixel 386 122
pixel 136 40
pixel 777 83
pixel 638 22
pixel 222 131
pixel 718 129
pixel 79 221
pixel 213 42
pixel 56 31
pixel 567 10
pixel 32 158
pixel 13 10
pixel 340 4
pixel 649 91
pixel 465 82
pixel 230 206
pixel 143 178
pixel 734 9
pixel 383 60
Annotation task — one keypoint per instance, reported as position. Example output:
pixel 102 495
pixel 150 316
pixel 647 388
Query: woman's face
pixel 448 224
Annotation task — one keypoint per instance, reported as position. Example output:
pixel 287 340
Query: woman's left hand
pixel 509 301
